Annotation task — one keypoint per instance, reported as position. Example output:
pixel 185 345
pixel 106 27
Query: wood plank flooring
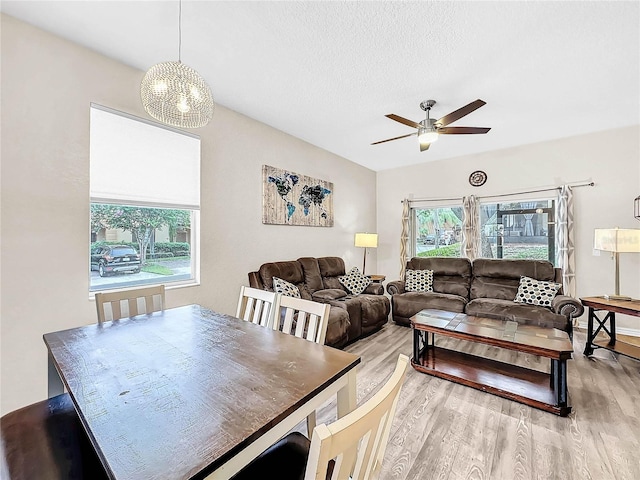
pixel 447 431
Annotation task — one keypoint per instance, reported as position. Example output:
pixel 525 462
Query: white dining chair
pixel 304 319
pixel 128 303
pixel 352 447
pixel 256 306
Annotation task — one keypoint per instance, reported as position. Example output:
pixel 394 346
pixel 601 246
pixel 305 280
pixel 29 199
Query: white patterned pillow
pixel 354 281
pixel 285 288
pixel 418 281
pixel 536 292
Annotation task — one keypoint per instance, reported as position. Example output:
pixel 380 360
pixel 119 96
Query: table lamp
pixel 366 240
pixel 617 241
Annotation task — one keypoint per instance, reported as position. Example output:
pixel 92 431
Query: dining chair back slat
pixel 302 318
pixel 129 303
pixel 256 306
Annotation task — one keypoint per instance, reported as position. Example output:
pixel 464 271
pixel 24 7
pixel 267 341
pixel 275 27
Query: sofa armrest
pixel 567 306
pixel 374 289
pixel 395 287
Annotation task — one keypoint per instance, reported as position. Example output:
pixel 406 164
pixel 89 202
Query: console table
pixel 611 307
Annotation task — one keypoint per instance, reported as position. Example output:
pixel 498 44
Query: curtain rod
pixel 589 184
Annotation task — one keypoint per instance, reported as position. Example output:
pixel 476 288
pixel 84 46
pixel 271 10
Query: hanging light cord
pixel 180 33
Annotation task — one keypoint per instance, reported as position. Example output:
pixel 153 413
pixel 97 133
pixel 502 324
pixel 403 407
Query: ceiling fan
pixel 429 129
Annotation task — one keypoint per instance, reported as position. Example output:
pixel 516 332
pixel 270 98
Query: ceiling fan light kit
pixel 428 130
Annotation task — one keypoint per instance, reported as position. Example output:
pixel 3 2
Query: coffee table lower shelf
pixel 524 385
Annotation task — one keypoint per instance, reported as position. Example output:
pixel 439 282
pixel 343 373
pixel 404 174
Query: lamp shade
pixel 367 240
pixel 617 240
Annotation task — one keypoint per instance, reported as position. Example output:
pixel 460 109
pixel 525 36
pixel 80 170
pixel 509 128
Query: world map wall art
pixel 292 199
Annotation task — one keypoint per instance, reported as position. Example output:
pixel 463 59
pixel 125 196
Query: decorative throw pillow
pixel 354 281
pixel 536 292
pixel 285 288
pixel 418 281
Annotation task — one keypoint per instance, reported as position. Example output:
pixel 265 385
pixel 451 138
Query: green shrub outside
pixel 162 249
pixel 529 252
pixel 178 249
pixel 444 251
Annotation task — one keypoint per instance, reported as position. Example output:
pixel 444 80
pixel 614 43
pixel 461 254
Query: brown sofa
pixel 350 316
pixel 486 288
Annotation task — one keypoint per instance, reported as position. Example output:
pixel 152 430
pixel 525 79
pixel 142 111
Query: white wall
pixel 611 159
pixel 47 87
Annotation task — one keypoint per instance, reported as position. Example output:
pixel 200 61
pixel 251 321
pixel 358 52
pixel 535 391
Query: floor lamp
pixel 617 241
pixel 366 240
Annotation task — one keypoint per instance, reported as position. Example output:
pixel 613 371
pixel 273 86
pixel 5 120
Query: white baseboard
pixel 632 332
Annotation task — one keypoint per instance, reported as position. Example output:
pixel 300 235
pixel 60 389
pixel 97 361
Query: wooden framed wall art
pixel 289 198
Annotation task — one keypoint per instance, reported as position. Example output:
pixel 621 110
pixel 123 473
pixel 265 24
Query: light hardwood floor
pixel 443 430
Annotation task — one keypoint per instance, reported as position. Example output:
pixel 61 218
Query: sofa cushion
pixel 311 270
pixel 328 294
pixel 511 268
pixel 516 312
pixel 354 281
pixel 500 278
pixel 330 269
pixel 419 281
pixel 408 304
pixel 289 271
pixel 285 288
pixel 536 292
pixel 331 266
pixel 450 275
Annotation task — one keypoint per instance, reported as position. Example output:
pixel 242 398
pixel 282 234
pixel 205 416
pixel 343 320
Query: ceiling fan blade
pixel 405 121
pixel 461 130
pixel 461 112
pixel 394 138
pixel 424 146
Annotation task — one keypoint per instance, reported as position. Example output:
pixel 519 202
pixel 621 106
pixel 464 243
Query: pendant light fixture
pixel 175 94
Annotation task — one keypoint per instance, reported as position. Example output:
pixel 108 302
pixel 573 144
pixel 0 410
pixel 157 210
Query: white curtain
pixel 528 217
pixel 565 254
pixel 404 238
pixel 471 227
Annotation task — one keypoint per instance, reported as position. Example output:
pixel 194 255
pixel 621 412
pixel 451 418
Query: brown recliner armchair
pixel 351 316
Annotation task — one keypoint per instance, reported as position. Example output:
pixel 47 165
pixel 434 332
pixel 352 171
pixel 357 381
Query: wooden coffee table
pixel 546 391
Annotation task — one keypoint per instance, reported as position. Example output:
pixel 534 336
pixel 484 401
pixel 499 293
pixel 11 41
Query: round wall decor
pixel 477 178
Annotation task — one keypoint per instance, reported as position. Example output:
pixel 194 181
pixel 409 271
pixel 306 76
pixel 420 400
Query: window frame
pixel 501 213
pixel 495 201
pixel 414 225
pixel 194 237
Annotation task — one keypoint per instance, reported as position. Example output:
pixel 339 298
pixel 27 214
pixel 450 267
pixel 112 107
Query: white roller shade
pixel 134 162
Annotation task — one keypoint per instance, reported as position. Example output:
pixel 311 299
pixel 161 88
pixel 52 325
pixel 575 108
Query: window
pixel 145 202
pixel 437 232
pixel 518 230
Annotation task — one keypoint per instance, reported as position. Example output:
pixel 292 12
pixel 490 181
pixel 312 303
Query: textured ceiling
pixel 328 72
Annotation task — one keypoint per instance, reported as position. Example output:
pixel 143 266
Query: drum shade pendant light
pixel 175 94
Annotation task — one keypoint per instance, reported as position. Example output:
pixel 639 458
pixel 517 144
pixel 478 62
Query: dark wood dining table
pixel 190 393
